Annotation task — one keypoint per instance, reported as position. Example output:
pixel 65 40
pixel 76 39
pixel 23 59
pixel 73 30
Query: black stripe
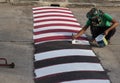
pixel 76 75
pixel 57 45
pixel 66 59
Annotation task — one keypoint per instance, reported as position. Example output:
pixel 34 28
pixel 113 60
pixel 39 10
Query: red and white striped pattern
pixel 56 59
pixel 54 24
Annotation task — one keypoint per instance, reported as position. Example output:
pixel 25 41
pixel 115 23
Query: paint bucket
pixel 101 40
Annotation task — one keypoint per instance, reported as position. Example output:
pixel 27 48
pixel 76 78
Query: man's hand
pixel 106 32
pixel 74 36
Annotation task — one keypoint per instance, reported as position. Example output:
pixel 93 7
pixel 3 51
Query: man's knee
pixel 110 34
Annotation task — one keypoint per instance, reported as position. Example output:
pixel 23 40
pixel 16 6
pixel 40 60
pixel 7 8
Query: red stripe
pixel 56 38
pixel 52 12
pixel 50 8
pixel 53 15
pixel 55 20
pixel 55 30
pixel 57 24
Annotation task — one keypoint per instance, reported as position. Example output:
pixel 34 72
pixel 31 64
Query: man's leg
pixel 96 31
pixel 110 34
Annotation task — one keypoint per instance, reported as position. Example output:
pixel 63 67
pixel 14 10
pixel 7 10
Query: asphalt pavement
pixel 16 43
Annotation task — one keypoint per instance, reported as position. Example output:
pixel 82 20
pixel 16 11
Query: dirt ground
pixel 16 44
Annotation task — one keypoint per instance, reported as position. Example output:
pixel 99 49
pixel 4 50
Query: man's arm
pixel 114 25
pixel 80 32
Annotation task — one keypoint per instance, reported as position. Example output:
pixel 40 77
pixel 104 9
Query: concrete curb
pixel 68 4
pixel 81 5
pixel 93 5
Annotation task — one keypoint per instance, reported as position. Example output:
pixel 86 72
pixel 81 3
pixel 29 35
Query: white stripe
pixel 49 10
pixel 56 17
pixel 88 81
pixel 69 67
pixel 56 27
pixel 83 42
pixel 52 34
pixel 51 13
pixel 48 7
pixel 54 22
pixel 53 40
pixel 62 53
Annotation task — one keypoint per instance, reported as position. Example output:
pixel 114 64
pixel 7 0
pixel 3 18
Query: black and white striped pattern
pixel 56 59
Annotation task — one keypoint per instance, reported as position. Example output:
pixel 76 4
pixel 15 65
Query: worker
pixel 99 23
